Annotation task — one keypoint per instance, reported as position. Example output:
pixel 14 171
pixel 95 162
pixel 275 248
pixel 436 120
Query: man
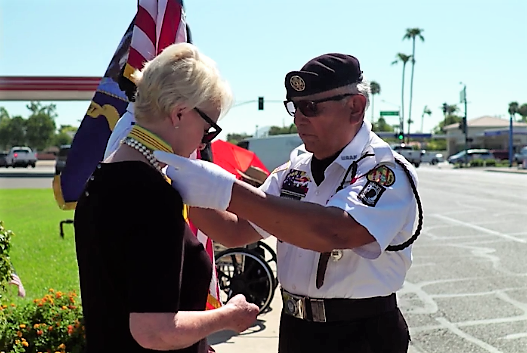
pixel 338 212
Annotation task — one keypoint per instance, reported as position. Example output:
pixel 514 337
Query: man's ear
pixel 357 106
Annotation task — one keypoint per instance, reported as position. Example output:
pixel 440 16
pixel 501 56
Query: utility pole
pixel 463 99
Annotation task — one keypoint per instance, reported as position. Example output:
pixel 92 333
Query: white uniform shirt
pixel 363 272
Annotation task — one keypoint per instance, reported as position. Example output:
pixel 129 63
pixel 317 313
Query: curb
pixel 517 171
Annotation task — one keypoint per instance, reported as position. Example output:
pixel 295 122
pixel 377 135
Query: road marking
pixel 450 326
pixel 478 228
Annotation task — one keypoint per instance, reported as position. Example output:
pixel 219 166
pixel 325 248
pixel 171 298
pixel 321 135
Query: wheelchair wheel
pixel 243 271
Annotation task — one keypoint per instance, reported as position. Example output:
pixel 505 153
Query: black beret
pixel 323 73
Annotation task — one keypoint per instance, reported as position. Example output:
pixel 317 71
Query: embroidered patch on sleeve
pixel 381 175
pixel 371 193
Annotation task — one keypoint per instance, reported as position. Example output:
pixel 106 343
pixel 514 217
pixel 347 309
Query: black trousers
pixel 385 333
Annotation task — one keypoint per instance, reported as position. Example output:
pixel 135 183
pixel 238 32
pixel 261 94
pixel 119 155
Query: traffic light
pixel 400 136
pixel 463 125
pixel 445 108
pixel 260 103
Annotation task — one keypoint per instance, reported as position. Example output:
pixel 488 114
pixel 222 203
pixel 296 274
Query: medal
pixel 336 255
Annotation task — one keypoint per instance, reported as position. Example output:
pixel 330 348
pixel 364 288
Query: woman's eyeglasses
pixel 310 108
pixel 209 135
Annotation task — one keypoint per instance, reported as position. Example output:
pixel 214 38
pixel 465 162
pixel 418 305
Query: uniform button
pixel 87 193
pixel 92 177
pixel 316 192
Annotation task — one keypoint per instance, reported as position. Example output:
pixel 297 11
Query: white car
pixel 411 155
pixel 20 157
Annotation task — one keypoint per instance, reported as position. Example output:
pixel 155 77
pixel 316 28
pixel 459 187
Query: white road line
pixel 450 326
pixel 478 228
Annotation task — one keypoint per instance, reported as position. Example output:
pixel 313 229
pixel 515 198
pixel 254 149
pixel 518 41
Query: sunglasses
pixel 209 135
pixel 310 108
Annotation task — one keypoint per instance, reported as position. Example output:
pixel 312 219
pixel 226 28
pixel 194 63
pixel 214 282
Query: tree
pixel 513 109
pixel 381 125
pixel 522 110
pixel 412 34
pixel 3 113
pixel 12 132
pixel 276 130
pixel 375 90
pixel 40 126
pixel 236 138
pixel 449 119
pixel 426 111
pixel 400 57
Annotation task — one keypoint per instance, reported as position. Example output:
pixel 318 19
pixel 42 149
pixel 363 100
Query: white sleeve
pixel 120 131
pixel 271 186
pixel 384 209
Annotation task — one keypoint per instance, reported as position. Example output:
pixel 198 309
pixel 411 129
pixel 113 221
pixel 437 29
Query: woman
pixel 144 276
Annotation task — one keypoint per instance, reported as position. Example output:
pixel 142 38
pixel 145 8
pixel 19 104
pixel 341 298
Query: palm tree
pixel 513 109
pixel 375 90
pixel 400 57
pixel 413 33
pixel 426 111
pixel 522 110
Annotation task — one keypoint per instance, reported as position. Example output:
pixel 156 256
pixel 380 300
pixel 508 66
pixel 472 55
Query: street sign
pixel 390 113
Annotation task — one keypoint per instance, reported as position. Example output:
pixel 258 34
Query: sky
pixel 482 43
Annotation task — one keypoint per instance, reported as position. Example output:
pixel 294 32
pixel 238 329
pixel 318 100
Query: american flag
pixel 156 25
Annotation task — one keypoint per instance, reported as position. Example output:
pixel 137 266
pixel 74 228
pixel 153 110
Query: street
pixel 467 288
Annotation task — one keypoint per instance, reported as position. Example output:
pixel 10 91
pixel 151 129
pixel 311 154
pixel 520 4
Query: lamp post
pixel 463 99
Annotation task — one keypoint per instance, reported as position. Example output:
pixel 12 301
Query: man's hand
pixel 200 183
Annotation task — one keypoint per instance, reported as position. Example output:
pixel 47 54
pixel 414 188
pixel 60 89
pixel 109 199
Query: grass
pixel 42 258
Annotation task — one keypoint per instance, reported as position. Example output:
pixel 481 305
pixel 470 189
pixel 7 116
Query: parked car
pixel 470 154
pixel 432 157
pixel 3 161
pixel 411 155
pixel 521 156
pixel 62 156
pixel 21 157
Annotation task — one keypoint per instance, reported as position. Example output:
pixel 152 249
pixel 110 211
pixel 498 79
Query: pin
pixel 336 255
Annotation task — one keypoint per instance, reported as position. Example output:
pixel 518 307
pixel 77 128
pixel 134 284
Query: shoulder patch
pixel 381 175
pixel 282 167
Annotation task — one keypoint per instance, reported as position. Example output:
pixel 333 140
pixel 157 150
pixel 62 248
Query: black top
pixel 319 166
pixel 134 255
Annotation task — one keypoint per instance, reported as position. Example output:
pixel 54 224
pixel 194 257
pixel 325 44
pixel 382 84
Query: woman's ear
pixel 176 115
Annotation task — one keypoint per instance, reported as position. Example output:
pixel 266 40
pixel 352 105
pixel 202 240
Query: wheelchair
pixel 248 271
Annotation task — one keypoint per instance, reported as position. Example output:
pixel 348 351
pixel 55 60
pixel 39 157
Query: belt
pixel 336 309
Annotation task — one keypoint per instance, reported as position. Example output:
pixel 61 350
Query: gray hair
pixel 362 88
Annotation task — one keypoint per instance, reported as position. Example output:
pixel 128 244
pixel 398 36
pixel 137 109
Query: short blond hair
pixel 180 74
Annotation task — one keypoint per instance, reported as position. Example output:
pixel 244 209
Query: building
pixel 486 132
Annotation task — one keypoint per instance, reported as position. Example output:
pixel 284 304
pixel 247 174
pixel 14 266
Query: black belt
pixel 331 310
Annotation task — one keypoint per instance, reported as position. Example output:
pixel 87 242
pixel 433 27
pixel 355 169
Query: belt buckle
pixel 294 305
pixel 318 310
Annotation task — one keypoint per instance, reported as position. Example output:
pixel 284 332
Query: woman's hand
pixel 243 313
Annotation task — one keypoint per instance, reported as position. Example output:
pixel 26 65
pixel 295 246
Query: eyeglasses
pixel 310 108
pixel 209 135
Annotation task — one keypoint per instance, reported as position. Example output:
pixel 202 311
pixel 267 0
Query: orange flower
pixel 19 334
pixel 40 332
pixel 22 326
pixel 62 346
pixel 51 290
pixel 17 341
pixel 50 328
pixel 25 344
pixel 35 326
pixel 64 307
